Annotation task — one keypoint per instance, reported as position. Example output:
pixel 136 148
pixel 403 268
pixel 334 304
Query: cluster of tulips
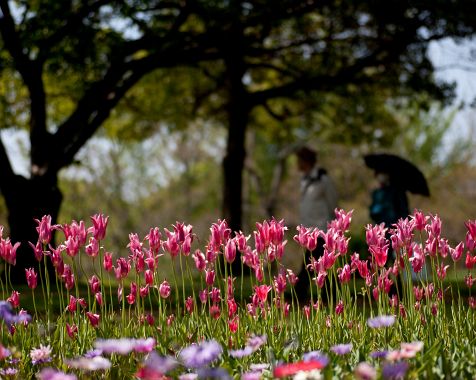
pixel 401 280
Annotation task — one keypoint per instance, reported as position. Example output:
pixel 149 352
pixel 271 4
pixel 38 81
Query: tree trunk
pixel 26 200
pixel 238 113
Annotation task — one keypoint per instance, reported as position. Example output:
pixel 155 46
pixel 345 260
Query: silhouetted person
pixel 317 205
pixel 389 202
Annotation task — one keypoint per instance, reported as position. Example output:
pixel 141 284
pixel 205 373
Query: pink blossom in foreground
pixel 31 278
pixel 99 226
pixel 95 363
pixel 40 355
pixel 165 289
pixel 93 318
pixel 14 299
pixel 45 229
pixel 124 346
pixel 262 292
pixel 52 374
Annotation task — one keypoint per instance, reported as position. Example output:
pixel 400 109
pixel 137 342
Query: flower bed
pixel 390 315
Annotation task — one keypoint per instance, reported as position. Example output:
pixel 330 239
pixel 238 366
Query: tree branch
pixel 31 73
pixel 98 101
pixel 69 26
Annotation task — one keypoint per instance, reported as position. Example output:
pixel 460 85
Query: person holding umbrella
pixel 395 176
pixel 389 201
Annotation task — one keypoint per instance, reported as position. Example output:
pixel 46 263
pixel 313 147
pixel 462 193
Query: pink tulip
pixel 380 254
pixel 215 311
pixel 241 241
pixel 144 291
pixel 419 220
pixel 165 289
pixel 37 250
pixel 68 277
pixel 107 261
pixel 122 269
pixel 99 299
pixel 209 277
pixel 291 276
pixel 189 305
pixel 342 221
pixel 321 279
pixel 434 227
pixel 8 251
pixel 262 291
pixel 94 284
pixel 154 237
pixel 31 278
pixel 203 295
pixel 72 330
pixel 232 307
pixel 45 229
pixel 276 231
pixel 72 304
pixel 280 283
pixel 149 277
pixel 14 299
pixel 441 271
pixel 215 295
pixel 230 251
pixel 93 318
pixel 233 324
pixel 340 307
pixel 99 226
pixel 457 252
pixel 344 274
pixel 72 246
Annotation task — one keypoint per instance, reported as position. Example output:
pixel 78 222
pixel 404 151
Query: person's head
pixel 382 178
pixel 307 158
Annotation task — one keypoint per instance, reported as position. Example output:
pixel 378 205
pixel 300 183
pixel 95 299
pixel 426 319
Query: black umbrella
pixel 402 172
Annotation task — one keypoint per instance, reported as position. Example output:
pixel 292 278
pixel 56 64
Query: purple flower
pixel 381 321
pixel 394 371
pixel 255 372
pixel 52 374
pixel 4 352
pixel 341 349
pixel 256 341
pixel 213 373
pixel 124 346
pixel 253 344
pixel 200 355
pixel 316 356
pixel 259 366
pixel 40 355
pixel 252 375
pixel 378 354
pixel 95 363
pixel 154 363
pixel 242 352
pixel 188 376
pixel 10 371
pixel 93 353
pixel 9 317
pixel 364 371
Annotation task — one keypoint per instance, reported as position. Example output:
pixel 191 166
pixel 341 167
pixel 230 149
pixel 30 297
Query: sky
pixel 454 62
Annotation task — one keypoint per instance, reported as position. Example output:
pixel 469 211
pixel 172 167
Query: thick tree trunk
pixel 26 200
pixel 233 165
